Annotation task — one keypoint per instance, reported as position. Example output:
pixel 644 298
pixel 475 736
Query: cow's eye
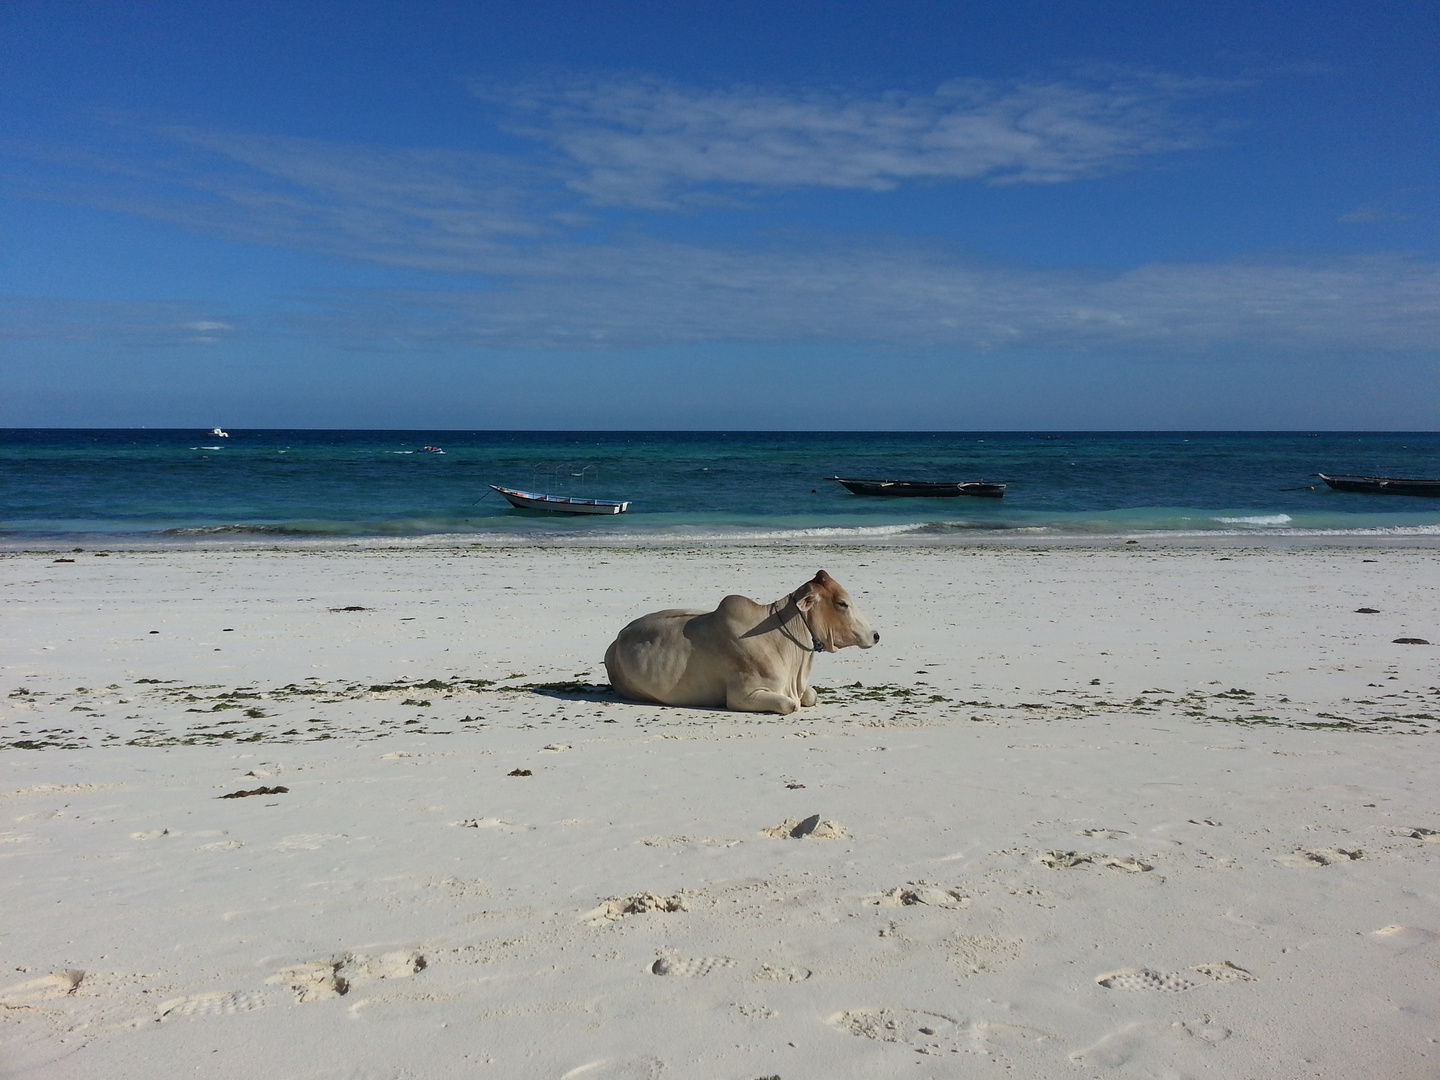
pixel 841 604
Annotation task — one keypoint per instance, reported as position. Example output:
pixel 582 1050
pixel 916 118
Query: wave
pixel 499 531
pixel 1258 519
pixel 241 530
pixel 799 521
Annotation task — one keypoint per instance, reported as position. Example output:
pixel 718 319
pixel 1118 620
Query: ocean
pixel 187 486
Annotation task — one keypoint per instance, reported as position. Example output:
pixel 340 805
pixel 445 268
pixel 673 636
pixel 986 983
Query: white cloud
pixel 465 213
pixel 655 294
pixel 131 323
pixel 372 191
pixel 433 209
pixel 649 143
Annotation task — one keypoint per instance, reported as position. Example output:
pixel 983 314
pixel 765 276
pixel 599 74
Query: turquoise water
pixel 184 486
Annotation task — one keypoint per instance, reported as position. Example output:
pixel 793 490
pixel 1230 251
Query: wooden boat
pixel 1382 485
pixel 559 504
pixel 921 489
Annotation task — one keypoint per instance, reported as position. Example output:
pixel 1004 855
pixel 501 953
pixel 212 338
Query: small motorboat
pixel 431 450
pixel 559 504
pixel 921 489
pixel 1382 485
pixel 219 434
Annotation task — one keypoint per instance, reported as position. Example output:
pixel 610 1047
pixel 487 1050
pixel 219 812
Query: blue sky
pixel 792 215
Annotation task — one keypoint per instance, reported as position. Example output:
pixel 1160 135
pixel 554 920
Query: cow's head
pixel 832 615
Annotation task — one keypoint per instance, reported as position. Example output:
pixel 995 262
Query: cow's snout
pixel 865 636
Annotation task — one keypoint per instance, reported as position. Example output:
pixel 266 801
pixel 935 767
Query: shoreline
pixel 837 538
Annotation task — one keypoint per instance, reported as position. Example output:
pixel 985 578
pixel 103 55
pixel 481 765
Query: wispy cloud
pixel 427 208
pixel 651 294
pixel 114 322
pixel 517 224
pixel 1403 204
pixel 652 143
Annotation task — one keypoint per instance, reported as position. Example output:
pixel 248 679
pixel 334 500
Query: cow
pixel 744 656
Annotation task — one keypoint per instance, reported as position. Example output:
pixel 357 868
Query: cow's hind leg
pixel 759 699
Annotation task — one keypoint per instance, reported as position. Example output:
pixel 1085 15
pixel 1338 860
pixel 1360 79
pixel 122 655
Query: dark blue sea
pixel 187 486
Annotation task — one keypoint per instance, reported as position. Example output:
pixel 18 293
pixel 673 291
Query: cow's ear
pixel 806 597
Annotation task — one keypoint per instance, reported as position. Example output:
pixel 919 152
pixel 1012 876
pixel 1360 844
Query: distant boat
pixel 219 434
pixel 559 504
pixel 431 450
pixel 922 489
pixel 1382 485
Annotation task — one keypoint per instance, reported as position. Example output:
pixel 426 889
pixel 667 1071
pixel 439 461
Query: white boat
pixel 559 504
pixel 219 434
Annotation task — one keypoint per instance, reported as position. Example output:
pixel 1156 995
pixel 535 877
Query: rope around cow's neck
pixel 816 645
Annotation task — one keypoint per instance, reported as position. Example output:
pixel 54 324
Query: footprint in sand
pixel 1175 982
pixel 1321 857
pixel 324 980
pixel 47 988
pixel 491 823
pixel 1402 938
pixel 644 1068
pixel 1067 860
pixel 981 955
pixel 1117 1048
pixel 665 841
pixel 1127 863
pixel 930 1032
pixel 684 841
pixel 1225 972
pixel 1145 979
pixel 317 981
pixel 217 1004
pixel 1102 834
pixel 306 841
pixel 1062 860
pixel 920 892
pixel 690 967
pixel 398 964
pixel 776 973
pixel 751 1011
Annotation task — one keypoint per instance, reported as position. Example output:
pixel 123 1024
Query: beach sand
pixel 1116 811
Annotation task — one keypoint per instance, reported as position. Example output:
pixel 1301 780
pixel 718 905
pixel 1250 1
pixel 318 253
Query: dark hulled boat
pixel 1382 485
pixel 921 489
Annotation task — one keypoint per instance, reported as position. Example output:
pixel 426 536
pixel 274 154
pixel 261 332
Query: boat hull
pixel 921 489
pixel 559 504
pixel 1383 485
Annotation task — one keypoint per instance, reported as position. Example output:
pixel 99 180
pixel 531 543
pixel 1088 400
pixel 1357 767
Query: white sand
pixel 1027 873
